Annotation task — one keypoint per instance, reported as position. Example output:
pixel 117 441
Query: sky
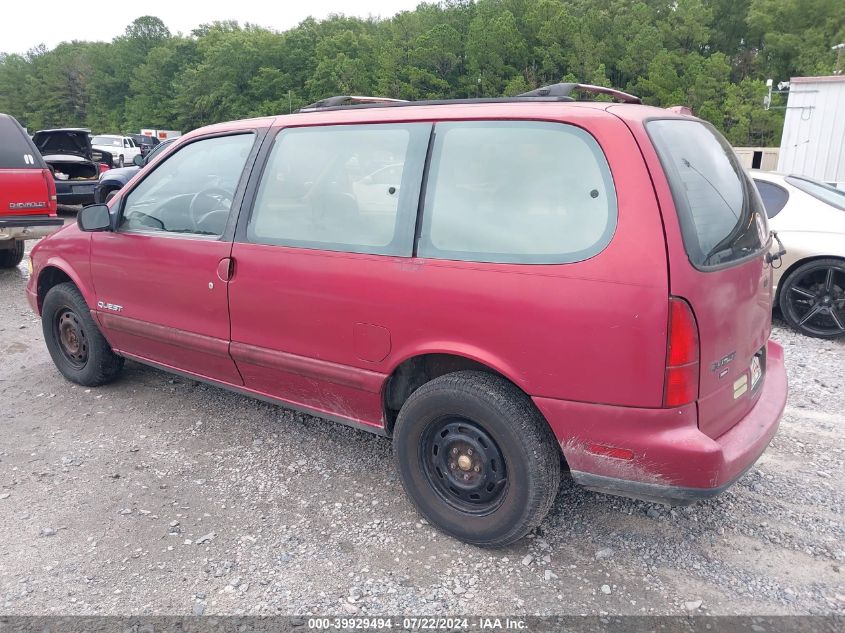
pixel 27 24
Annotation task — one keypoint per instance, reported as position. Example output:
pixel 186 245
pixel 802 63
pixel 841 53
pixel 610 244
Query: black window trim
pixel 789 178
pixel 237 200
pixel 680 216
pixel 262 160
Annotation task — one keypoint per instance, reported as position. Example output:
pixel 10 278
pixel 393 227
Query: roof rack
pixel 347 100
pixel 554 92
pixel 566 90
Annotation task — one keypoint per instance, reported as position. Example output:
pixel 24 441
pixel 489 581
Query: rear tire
pixel 11 257
pixel 79 350
pixel 812 298
pixel 476 458
pixel 120 161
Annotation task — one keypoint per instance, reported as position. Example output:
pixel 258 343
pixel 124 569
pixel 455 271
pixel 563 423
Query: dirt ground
pixel 160 495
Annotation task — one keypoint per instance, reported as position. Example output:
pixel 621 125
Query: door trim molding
pixel 259 395
pixel 327 371
pixel 164 334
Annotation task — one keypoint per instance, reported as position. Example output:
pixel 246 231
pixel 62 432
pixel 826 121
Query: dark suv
pixel 499 285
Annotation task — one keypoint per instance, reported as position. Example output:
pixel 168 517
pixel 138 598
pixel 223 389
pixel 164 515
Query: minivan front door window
pixel 191 191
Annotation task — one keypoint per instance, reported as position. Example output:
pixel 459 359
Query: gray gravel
pixel 160 495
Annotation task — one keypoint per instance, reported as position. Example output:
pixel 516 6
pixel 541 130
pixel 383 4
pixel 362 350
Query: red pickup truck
pixel 27 193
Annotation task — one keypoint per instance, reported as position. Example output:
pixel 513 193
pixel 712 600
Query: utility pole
pixel 838 48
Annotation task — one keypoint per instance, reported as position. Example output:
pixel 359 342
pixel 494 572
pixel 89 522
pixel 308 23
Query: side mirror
pixel 138 161
pixel 94 217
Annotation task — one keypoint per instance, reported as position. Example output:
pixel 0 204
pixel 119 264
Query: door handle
pixel 226 268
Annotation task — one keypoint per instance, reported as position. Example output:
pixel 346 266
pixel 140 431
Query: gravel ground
pixel 160 495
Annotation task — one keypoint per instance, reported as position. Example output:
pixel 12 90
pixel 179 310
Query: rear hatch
pixel 718 266
pixel 26 185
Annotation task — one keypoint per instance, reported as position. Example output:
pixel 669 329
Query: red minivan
pixel 27 193
pixel 505 287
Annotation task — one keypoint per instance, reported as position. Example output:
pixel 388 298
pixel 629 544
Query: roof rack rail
pixel 555 92
pixel 566 90
pixel 347 100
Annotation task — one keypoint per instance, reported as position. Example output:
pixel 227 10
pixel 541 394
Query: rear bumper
pixel 75 191
pixel 672 461
pixel 23 227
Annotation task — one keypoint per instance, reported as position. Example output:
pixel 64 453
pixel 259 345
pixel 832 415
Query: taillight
pixel 681 383
pixel 51 191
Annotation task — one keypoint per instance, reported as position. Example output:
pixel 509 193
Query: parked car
pixel 587 282
pixel 27 193
pixel 809 218
pixel 74 163
pixel 112 180
pixel 122 148
pixel 145 143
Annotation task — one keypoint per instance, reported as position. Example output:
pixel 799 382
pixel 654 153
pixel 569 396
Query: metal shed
pixel 813 141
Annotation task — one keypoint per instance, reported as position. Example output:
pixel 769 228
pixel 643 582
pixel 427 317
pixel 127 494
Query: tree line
pixel 711 55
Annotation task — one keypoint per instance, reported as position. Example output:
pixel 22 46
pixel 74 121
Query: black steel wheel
pixel 476 457
pixel 812 298
pixel 78 349
pixel 464 465
pixel 73 341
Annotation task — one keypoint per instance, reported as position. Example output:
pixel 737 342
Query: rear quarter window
pixel 774 197
pixel 16 149
pixel 721 214
pixel 524 192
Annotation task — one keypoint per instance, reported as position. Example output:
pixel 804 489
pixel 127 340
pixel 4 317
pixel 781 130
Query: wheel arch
pixel 415 370
pixel 54 273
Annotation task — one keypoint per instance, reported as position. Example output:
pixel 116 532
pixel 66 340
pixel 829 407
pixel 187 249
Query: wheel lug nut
pixel 477 469
pixel 452 465
pixel 469 451
pixel 466 477
pixel 454 451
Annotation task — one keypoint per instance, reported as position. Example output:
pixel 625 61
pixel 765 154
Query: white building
pixel 813 141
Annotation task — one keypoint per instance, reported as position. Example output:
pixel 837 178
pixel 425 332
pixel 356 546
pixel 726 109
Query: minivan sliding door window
pixel 349 188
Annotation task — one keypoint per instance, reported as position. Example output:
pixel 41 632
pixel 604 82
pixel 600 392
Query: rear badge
pixel 740 386
pixel 719 364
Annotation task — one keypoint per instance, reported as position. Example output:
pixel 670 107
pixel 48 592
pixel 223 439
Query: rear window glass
pixel 16 150
pixel 819 190
pixel 774 197
pixel 721 214
pixel 523 192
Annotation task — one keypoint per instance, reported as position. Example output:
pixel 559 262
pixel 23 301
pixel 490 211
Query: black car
pixel 113 179
pixel 74 164
pixel 146 143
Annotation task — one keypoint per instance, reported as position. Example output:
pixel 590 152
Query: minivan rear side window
pixel 721 215
pixel 350 188
pixel 524 192
pixel 16 149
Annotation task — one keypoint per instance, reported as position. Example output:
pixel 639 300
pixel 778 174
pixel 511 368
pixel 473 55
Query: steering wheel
pixel 217 196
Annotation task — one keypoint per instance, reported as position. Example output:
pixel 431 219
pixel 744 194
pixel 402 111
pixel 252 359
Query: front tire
pixel 476 458
pixel 78 349
pixel 11 257
pixel 812 298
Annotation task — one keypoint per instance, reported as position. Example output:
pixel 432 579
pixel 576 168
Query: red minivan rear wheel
pixel 477 458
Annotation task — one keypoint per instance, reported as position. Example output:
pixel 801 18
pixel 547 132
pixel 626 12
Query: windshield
pixel 107 141
pixel 722 217
pixel 819 190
